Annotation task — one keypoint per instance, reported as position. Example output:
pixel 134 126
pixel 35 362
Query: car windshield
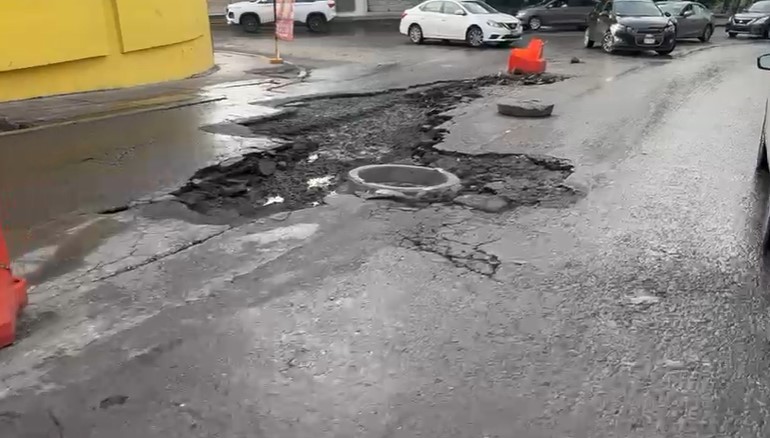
pixel 637 9
pixel 478 8
pixel 672 8
pixel 760 7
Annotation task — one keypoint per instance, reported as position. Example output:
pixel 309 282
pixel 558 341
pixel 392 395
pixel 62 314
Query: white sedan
pixel 473 21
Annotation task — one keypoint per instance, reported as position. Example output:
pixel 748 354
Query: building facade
pixel 99 44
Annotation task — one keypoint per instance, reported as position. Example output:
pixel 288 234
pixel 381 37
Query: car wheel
pixel 475 36
pixel 608 45
pixel 587 41
pixel 317 23
pixel 707 32
pixel 250 23
pixel 731 34
pixel 415 34
pixel 535 23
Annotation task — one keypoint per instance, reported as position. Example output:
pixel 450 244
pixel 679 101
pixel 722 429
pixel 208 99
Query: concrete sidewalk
pixel 20 116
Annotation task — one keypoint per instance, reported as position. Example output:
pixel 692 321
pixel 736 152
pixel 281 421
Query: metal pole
pixel 276 56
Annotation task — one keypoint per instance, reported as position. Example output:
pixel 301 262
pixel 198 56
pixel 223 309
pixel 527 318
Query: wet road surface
pixel 639 311
pixel 72 171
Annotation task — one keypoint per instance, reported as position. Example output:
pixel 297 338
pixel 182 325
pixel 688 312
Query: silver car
pixel 557 13
pixel 693 20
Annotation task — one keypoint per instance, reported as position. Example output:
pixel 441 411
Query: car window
pixel 559 4
pixel 637 9
pixel 760 7
pixel 477 7
pixel 574 3
pixel 588 3
pixel 672 8
pixel 599 7
pixel 700 10
pixel 697 10
pixel 607 7
pixel 432 7
pixel 451 7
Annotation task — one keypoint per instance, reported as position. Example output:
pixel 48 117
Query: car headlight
pixel 521 13
pixel 615 28
pixel 761 20
pixel 494 24
pixel 670 27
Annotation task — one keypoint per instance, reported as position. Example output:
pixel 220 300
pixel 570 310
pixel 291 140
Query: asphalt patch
pixel 323 138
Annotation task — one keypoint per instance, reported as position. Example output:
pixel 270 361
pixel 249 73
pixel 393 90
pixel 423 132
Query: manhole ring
pixel 404 178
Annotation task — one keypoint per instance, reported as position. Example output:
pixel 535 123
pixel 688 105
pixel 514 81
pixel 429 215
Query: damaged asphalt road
pixel 636 308
pixel 324 138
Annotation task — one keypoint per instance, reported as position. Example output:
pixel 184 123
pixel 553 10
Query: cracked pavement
pixel 638 310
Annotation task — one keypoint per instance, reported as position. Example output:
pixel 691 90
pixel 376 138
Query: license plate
pixel 649 39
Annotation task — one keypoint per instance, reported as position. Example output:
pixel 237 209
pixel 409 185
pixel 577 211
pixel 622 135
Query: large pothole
pixel 326 137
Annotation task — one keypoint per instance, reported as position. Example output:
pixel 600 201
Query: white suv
pixel 315 14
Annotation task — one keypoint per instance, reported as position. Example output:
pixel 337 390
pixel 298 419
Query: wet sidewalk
pixel 78 107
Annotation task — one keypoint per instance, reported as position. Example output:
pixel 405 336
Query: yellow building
pixel 52 47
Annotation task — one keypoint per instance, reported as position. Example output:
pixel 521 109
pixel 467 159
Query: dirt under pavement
pixel 324 137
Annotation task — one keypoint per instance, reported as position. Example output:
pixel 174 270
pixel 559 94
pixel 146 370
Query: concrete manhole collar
pixel 407 179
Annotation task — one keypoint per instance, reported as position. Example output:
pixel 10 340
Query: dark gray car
pixel 693 20
pixel 755 20
pixel 557 13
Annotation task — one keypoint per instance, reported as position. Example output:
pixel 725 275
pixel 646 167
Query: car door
pixel 556 12
pixel 585 9
pixel 454 21
pixel 577 11
pixel 686 23
pixel 703 18
pixel 430 19
pixel 302 8
pixel 593 21
pixel 603 20
pixel 265 11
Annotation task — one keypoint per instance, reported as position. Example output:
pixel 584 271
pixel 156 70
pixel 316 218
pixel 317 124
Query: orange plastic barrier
pixel 528 60
pixel 13 297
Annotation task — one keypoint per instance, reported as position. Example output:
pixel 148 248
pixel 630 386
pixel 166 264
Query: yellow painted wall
pixel 66 46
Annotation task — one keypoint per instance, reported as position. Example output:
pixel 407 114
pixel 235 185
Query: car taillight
pixel 403 14
pixel 331 3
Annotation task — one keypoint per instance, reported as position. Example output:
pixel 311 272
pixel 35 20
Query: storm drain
pixel 408 180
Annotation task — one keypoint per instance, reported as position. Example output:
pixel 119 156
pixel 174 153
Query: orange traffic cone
pixel 528 60
pixel 13 297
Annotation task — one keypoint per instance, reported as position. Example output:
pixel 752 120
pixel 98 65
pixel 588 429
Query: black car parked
pixel 631 25
pixel 753 21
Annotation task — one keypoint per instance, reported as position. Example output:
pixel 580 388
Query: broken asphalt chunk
pixel 524 108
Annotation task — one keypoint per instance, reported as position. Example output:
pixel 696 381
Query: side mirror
pixel 459 12
pixel 667 14
pixel 763 62
pixel 686 14
pixel 604 14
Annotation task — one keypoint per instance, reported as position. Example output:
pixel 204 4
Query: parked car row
pixel 611 24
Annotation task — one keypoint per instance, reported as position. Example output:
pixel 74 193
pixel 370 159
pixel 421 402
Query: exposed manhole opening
pixel 404 178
